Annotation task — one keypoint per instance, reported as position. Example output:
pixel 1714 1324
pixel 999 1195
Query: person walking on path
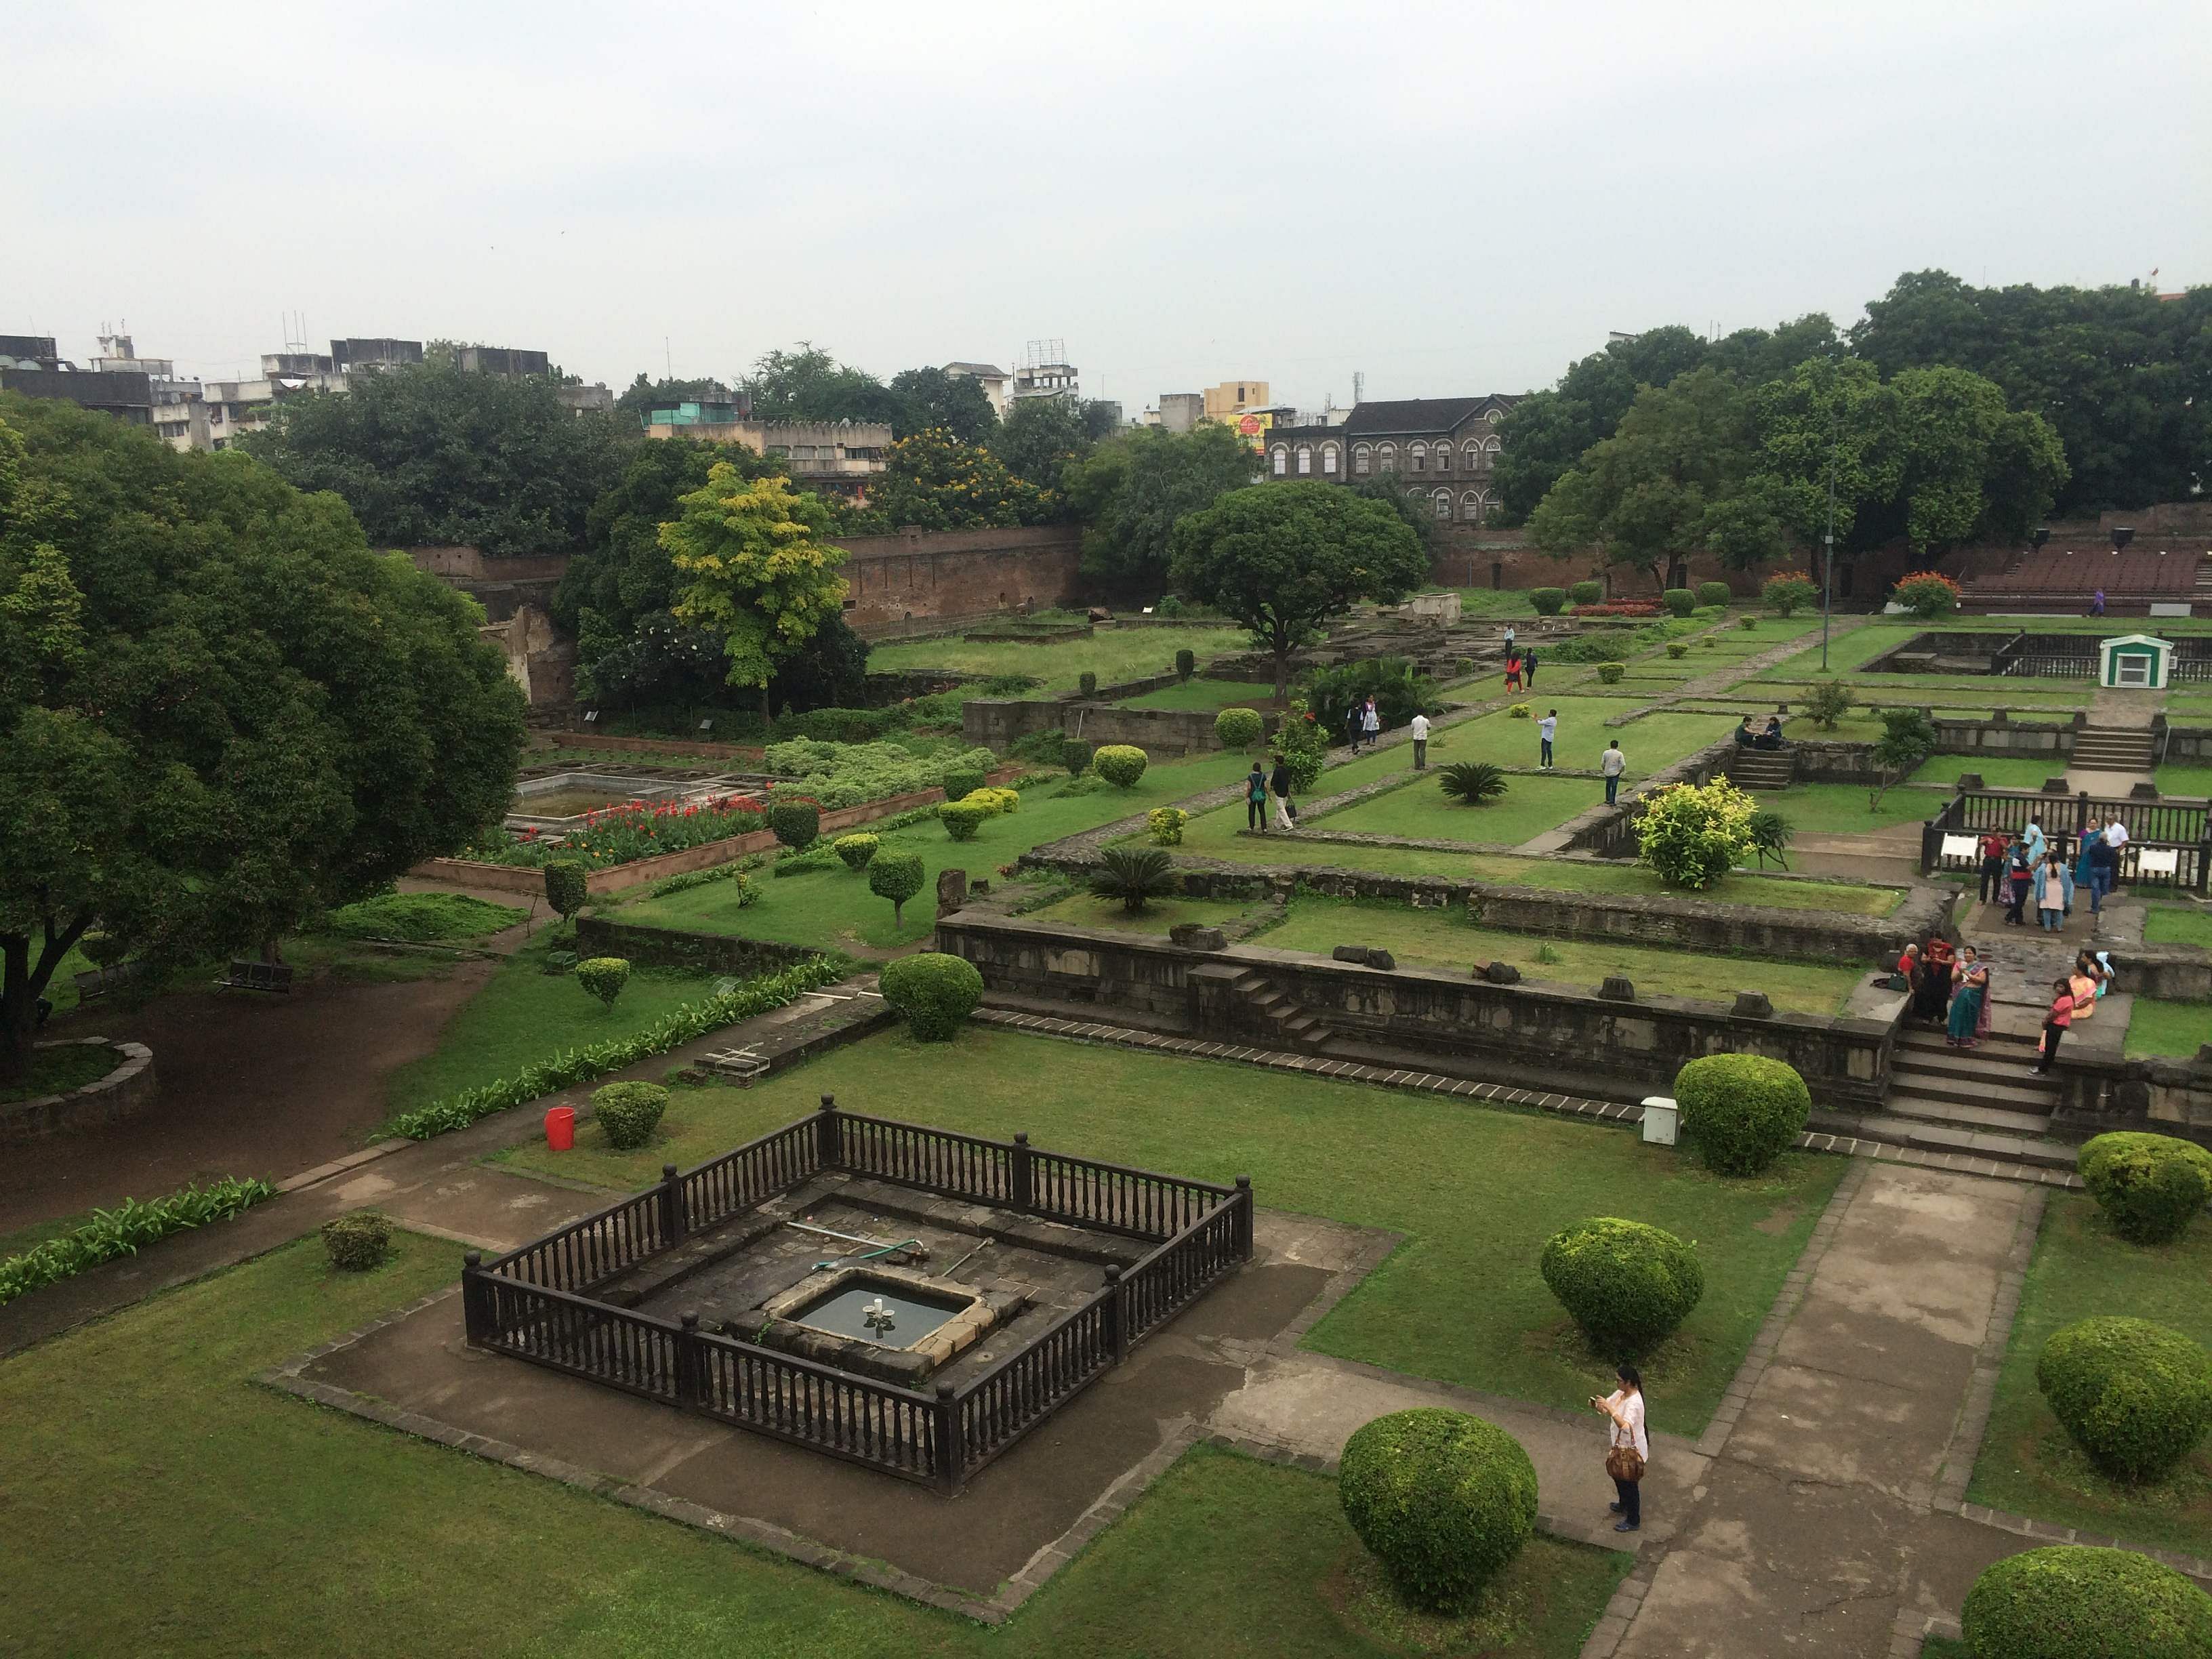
pixel 1969 1001
pixel 1279 786
pixel 1509 639
pixel 1512 670
pixel 2054 892
pixel 1613 763
pixel 1255 799
pixel 1420 728
pixel 2018 874
pixel 2056 1020
pixel 1529 668
pixel 2097 602
pixel 1352 726
pixel 1370 724
pixel 2103 869
pixel 1994 845
pixel 1627 1448
pixel 1547 729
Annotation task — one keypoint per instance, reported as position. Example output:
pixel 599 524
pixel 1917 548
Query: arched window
pixel 1443 456
pixel 1471 454
pixel 1305 459
pixel 1362 459
pixel 1386 457
pixel 1490 451
pixel 1282 460
pixel 1470 508
pixel 1328 460
pixel 1443 499
pixel 1417 458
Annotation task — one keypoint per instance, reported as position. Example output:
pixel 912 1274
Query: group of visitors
pixel 1950 987
pixel 1262 789
pixel 1363 723
pixel 1749 736
pixel 1520 665
pixel 2016 868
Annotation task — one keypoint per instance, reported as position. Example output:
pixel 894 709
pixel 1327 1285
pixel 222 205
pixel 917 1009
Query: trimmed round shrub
pixel 357 1241
pixel 1238 728
pixel 1714 593
pixel 897 877
pixel 104 950
pixel 854 850
pixel 1587 593
pixel 1678 649
pixel 796 823
pixel 1443 1501
pixel 1627 1284
pixel 1075 756
pixel 1746 622
pixel 1120 764
pixel 962 781
pixel 1520 711
pixel 603 977
pixel 1610 673
pixel 1548 601
pixel 1164 824
pixel 2073 1601
pixel 994 801
pixel 2150 1187
pixel 1678 601
pixel 566 887
pixel 933 993
pixel 1740 1110
pixel 628 1113
pixel 2136 1396
pixel 961 819
pixel 1186 664
pixel 1087 682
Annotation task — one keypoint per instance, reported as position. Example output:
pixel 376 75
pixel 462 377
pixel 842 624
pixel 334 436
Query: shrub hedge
pixel 961 819
pixel 1548 601
pixel 566 887
pixel 2073 1601
pixel 628 1113
pixel 933 993
pixel 603 977
pixel 841 775
pixel 961 782
pixel 2150 1187
pixel 1442 1499
pixel 357 1241
pixel 1714 593
pixel 1678 601
pixel 1740 1111
pixel 1586 592
pixel 1120 764
pixel 1611 672
pixel 2136 1396
pixel 1075 756
pixel 897 877
pixel 856 851
pixel 123 1229
pixel 1626 1284
pixel 796 823
pixel 1238 728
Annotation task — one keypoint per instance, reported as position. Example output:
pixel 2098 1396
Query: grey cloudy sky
pixel 1453 197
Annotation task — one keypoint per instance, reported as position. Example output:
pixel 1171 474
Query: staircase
pixel 1984 1101
pixel 2111 749
pixel 1763 771
pixel 2204 577
pixel 1291 1029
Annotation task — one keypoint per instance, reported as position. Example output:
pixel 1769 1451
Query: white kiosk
pixel 2135 662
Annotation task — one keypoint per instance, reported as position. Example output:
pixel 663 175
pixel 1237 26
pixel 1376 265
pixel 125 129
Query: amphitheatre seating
pixel 257 976
pixel 2066 577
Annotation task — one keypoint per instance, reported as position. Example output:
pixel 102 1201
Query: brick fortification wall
pixel 950 575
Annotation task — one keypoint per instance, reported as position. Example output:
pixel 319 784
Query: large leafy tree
pixel 808 384
pixel 431 456
pixel 643 392
pixel 1130 490
pixel 756 570
pixel 219 711
pixel 931 397
pixel 1041 437
pixel 933 480
pixel 1282 559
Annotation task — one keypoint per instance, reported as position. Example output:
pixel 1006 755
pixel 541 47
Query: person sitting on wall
pixel 1770 737
pixel 1745 737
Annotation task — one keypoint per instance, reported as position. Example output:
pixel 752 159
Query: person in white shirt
pixel 2116 833
pixel 1420 728
pixel 1547 729
pixel 1509 639
pixel 1613 763
pixel 1627 1448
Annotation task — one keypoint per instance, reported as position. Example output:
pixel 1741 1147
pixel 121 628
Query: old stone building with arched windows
pixel 1443 448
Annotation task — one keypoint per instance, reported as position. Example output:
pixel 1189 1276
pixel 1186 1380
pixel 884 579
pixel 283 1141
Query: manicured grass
pixel 2029 1463
pixel 1203 694
pixel 1080 910
pixel 2174 923
pixel 1995 773
pixel 1445 938
pixel 141 1439
pixel 422 918
pixel 1114 654
pixel 1841 809
pixel 2174 1029
pixel 2184 780
pixel 1420 808
pixel 56 1071
pixel 1503 603
pixel 1477 1190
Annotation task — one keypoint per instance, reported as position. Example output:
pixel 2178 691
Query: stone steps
pixel 2033 1151
pixel 1297 1030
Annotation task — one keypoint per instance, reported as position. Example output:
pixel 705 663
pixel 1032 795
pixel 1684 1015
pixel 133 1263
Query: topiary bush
pixel 1520 711
pixel 1678 601
pixel 1087 682
pixel 961 819
pixel 566 887
pixel 628 1113
pixel 1075 756
pixel 1164 824
pixel 961 782
pixel 796 823
pixel 1740 1111
pixel 2136 1396
pixel 357 1241
pixel 1443 1501
pixel 1678 649
pixel 1587 593
pixel 1548 601
pixel 2150 1187
pixel 603 977
pixel 1186 664
pixel 856 850
pixel 1627 1284
pixel 2073 1601
pixel 1610 673
pixel 1746 624
pixel 1238 728
pixel 933 993
pixel 1714 593
pixel 1120 763
pixel 897 877
pixel 993 800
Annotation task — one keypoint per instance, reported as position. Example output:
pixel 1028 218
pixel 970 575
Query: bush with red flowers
pixel 1926 594
pixel 1618 608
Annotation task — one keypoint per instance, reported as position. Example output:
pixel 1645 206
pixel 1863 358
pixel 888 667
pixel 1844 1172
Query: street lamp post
pixel 1828 554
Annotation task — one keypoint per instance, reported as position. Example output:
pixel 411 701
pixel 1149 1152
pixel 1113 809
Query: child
pixel 2055 1024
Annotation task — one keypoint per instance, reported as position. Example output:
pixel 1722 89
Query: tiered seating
pixel 2068 576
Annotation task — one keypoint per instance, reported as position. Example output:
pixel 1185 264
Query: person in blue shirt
pixel 2032 838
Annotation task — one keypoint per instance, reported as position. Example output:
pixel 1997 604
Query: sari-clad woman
pixel 1969 1001
pixel 2086 984
pixel 1931 985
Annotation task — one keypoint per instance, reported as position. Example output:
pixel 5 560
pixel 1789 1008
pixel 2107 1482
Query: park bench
pixel 257 976
pixel 101 980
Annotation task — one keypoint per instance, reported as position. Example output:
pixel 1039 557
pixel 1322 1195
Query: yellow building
pixel 1232 398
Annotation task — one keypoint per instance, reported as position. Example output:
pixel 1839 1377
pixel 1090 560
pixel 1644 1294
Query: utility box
pixel 2135 662
pixel 1661 1118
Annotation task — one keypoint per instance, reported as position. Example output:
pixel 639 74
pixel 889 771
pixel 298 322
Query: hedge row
pixel 123 1229
pixel 574 1065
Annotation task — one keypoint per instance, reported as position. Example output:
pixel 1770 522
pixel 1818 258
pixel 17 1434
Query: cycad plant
pixel 1133 875
pixel 1472 783
pixel 1769 835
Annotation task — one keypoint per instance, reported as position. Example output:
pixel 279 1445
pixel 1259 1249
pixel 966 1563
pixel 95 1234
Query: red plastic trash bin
pixel 561 1128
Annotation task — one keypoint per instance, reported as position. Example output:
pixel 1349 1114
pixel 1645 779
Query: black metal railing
pixel 2173 832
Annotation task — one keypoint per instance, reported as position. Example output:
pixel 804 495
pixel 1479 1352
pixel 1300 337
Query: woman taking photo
pixel 1627 1448
pixel 1969 1001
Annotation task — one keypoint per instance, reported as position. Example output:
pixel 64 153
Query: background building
pixel 1045 372
pixel 1446 449
pixel 30 365
pixel 1232 398
pixel 839 456
pixel 997 383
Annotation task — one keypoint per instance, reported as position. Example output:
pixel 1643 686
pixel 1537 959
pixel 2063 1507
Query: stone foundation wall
pixel 674 947
pixel 124 1093
pixel 914 575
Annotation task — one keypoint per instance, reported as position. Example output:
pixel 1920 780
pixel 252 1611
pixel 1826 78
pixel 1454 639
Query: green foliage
pixel 2150 1187
pixel 1087 684
pixel 1520 711
pixel 1609 673
pixel 1075 756
pixel 1133 875
pixel 1607 644
pixel 1301 744
pixel 1238 728
pixel 421 918
pixel 1740 1111
pixel 1790 591
pixel 808 384
pixel 1472 783
pixel 961 819
pixel 956 404
pixel 963 780
pixel 1120 763
pixel 933 480
pixel 1164 825
pixel 796 823
pixel 747 893
pixel 1585 593
pixel 2136 1396
pixel 1677 649
pixel 1186 661
pixel 1692 834
pixel 1830 701
pixel 835 775
pixel 1908 737
pixel 121 1230
pixel 1746 624
pixel 569 1067
pixel 1129 492
pixel 602 977
pixel 933 993
pixel 628 1113
pixel 358 1240
pixel 1549 601
pixel 1042 439
pixel 2073 1601
pixel 1678 601
pixel 1769 835
pixel 819 856
pixel 856 850
pixel 1443 1501
pixel 897 877
pixel 566 887
pixel 1627 1284
pixel 1715 594
pixel 1400 689
pixel 105 950
pixel 1927 595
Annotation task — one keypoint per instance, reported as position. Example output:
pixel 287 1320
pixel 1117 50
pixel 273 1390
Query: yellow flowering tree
pixel 933 480
pixel 756 569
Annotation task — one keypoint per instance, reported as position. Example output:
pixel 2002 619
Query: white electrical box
pixel 1661 1114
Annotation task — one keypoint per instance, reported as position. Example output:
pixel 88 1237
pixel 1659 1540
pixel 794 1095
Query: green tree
pixel 808 384
pixel 643 392
pixel 1040 438
pixel 931 397
pixel 1282 559
pixel 933 480
pixel 1128 492
pixel 757 574
pixel 220 714
pixel 430 456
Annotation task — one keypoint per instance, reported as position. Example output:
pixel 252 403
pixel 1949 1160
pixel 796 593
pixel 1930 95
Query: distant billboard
pixel 1253 428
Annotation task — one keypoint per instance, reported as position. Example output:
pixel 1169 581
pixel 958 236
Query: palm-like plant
pixel 1133 875
pixel 1770 834
pixel 1474 783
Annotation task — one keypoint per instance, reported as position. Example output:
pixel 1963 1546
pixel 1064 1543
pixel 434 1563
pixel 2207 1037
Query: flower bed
pixel 1618 608
pixel 635 830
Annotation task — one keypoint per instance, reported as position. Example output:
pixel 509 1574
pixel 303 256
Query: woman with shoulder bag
pixel 1627 1448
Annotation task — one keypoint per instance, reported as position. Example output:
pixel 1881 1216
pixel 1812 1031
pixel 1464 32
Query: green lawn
pixel 2029 1463
pixel 1445 938
pixel 424 918
pixel 1477 1190
pixel 2184 780
pixel 140 1439
pixel 1841 809
pixel 1203 694
pixel 2174 1029
pixel 1996 774
pixel 2172 924
pixel 1079 909
pixel 1114 654
pixel 1420 809
pixel 58 1071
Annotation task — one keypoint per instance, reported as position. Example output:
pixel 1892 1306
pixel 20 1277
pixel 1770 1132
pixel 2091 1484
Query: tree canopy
pixel 931 397
pixel 1041 437
pixel 1283 558
pixel 808 384
pixel 1129 491
pixel 429 456
pixel 934 480
pixel 219 711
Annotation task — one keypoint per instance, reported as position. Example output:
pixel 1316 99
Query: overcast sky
pixel 1453 197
